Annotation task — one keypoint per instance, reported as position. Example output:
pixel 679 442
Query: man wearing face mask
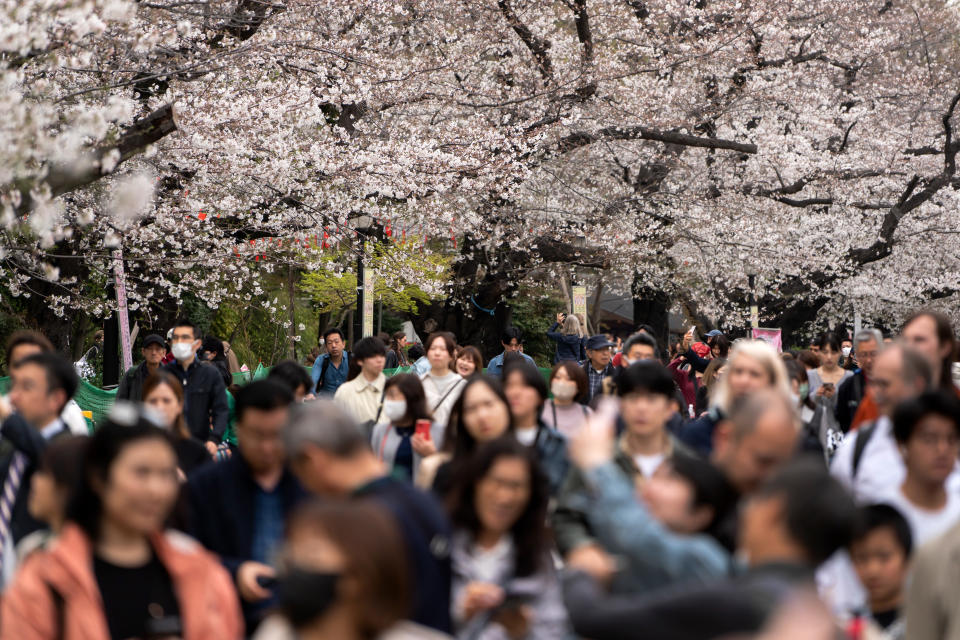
pixel 205 398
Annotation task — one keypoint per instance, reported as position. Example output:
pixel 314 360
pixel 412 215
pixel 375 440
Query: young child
pixel 880 551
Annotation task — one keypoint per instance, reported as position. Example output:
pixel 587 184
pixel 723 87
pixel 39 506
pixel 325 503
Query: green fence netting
pixel 96 402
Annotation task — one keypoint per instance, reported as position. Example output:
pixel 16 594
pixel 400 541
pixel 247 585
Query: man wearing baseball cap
pixel 598 365
pixel 131 386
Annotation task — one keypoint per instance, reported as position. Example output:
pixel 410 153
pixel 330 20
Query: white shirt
pixel 526 436
pixel 881 470
pixel 439 402
pixel 648 464
pixel 925 525
pixel 361 397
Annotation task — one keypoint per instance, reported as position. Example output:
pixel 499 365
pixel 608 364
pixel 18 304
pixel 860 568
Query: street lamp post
pixel 362 225
pixel 754 309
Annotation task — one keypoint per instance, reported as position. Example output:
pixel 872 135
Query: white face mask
pixel 394 409
pixel 182 350
pixel 846 352
pixel 563 390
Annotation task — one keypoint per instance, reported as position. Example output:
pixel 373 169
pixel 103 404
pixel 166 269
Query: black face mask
pixel 305 595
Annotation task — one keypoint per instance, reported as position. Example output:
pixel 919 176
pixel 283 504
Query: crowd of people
pixel 710 489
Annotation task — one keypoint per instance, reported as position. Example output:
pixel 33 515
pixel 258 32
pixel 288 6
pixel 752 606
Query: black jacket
pixel 206 399
pixel 740 606
pixel 18 435
pixel 221 512
pixel 131 385
pixel 849 394
pixel 427 535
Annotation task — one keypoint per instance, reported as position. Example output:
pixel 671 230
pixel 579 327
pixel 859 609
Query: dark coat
pixel 849 394
pixel 568 347
pixel 205 398
pixel 428 537
pixel 131 385
pixel 221 511
pixel 18 435
pixel 740 606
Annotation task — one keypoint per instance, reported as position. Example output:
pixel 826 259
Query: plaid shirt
pixel 595 378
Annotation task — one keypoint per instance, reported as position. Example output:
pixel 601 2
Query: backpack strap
pixel 323 373
pixel 863 437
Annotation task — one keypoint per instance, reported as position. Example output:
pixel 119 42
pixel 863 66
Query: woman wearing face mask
pixel 114 571
pixel 164 395
pixel 505 584
pixel 526 392
pixel 343 575
pixel 442 385
pixel 564 412
pixel 469 362
pixel 819 435
pixel 481 414
pixel 396 442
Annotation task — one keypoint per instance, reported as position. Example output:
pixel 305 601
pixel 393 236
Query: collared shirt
pixel 52 429
pixel 361 397
pixel 595 378
pixel 335 375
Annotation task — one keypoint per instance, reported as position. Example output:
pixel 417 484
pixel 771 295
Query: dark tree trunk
pixel 652 307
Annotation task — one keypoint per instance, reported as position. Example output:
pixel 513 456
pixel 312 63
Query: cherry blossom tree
pixel 673 145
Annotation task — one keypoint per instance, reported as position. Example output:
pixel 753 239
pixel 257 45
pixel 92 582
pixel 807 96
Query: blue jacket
pixel 495 366
pixel 568 347
pixel 428 538
pixel 220 499
pixel 656 557
pixel 333 378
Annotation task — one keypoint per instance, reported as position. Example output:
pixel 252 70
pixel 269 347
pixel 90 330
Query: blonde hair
pixel 571 326
pixel 762 353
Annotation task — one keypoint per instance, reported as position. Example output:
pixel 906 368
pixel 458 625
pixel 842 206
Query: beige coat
pixel 933 599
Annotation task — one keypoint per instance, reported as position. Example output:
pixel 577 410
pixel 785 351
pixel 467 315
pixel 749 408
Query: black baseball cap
pixel 154 339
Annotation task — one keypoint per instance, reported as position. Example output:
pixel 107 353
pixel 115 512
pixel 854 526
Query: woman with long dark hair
pixel 115 572
pixel 505 584
pixel 480 414
pixel 396 356
pixel 397 442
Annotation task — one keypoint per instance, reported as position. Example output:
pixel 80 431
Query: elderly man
pixel 331 455
pixel 851 392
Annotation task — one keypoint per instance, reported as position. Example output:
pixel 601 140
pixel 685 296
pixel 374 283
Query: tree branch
pixel 537 46
pixel 62 179
pixel 582 139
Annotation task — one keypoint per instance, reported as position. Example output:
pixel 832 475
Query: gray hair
pixel 326 425
pixel 747 410
pixel 913 366
pixel 866 335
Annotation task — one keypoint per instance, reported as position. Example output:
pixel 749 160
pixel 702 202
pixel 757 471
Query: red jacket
pixel 208 601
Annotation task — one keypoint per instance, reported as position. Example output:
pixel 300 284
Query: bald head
pixel 899 373
pixel 757 437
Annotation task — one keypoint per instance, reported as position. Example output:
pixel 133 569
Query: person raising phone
pixel 410 434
